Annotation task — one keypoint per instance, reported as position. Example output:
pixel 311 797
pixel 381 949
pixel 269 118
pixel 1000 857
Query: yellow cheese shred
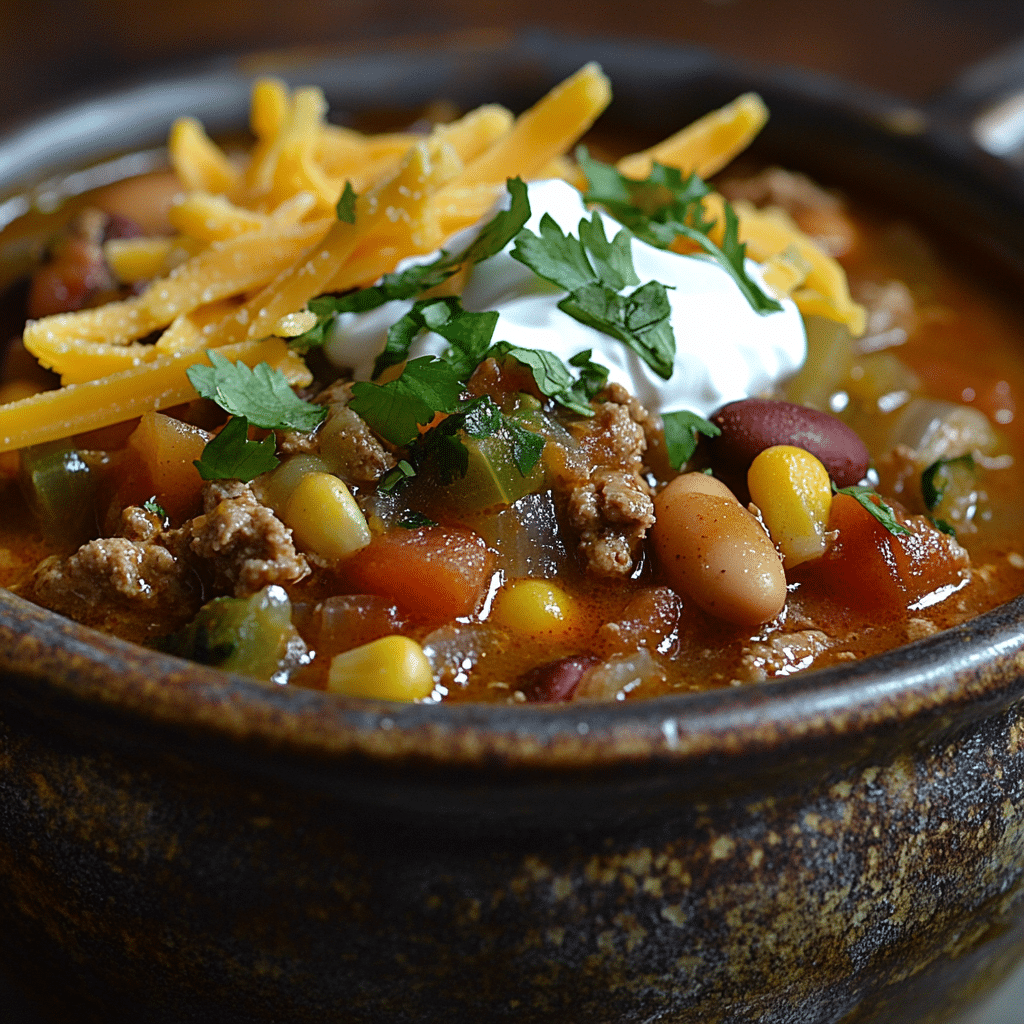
pixel 124 395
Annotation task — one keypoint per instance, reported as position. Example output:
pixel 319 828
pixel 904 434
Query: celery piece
pixel 60 488
pixel 253 636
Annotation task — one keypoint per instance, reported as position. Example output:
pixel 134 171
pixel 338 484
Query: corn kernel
pixel 534 608
pixel 392 668
pixel 324 517
pixel 791 488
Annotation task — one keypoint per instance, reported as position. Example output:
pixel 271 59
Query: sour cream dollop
pixel 724 349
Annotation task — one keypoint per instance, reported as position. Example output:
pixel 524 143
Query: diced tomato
pixel 434 572
pixel 874 571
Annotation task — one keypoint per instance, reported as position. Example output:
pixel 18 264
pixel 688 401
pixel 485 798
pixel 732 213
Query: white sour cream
pixel 724 349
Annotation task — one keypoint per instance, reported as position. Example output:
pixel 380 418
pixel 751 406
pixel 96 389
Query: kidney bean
pixel 555 681
pixel 711 549
pixel 753 424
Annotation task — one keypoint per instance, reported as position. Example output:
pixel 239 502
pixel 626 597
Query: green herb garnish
pixel 664 206
pixel 153 506
pixel 873 502
pixel 935 480
pixel 681 430
pixel 232 456
pixel 414 520
pixel 594 270
pixel 263 395
pixel 397 409
pixel 346 205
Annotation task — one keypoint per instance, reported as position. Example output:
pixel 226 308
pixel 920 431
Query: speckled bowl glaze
pixel 180 845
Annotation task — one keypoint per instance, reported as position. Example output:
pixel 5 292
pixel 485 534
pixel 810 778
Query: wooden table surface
pixel 52 49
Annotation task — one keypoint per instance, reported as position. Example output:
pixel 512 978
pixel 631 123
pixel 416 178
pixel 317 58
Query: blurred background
pixel 51 50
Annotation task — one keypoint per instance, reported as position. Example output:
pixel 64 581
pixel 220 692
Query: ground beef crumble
pixel 130 585
pixel 607 500
pixel 238 545
pixel 138 584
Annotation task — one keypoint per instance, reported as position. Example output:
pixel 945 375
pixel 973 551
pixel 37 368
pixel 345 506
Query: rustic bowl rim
pixel 941 681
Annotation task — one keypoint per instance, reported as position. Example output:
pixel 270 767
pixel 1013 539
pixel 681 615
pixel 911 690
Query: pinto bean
pixel 696 483
pixel 753 424
pixel 715 552
pixel 555 681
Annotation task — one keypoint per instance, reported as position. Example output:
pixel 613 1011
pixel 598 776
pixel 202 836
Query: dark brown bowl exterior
pixel 179 845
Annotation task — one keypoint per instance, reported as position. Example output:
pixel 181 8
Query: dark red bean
pixel 555 681
pixel 753 424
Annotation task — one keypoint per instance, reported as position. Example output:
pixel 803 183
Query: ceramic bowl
pixel 842 846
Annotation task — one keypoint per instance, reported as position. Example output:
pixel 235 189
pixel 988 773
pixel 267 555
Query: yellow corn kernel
pixel 392 668
pixel 534 608
pixel 791 488
pixel 325 518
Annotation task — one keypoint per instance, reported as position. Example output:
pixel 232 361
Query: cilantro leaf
pixel 550 375
pixel 396 409
pixel 663 206
pixel 681 430
pixel 481 417
pixel 593 376
pixel 594 271
pixel 399 474
pixel 154 506
pixel 262 396
pixel 639 320
pixel 230 455
pixel 730 257
pixel 527 446
pixel 612 260
pixel 937 477
pixel 502 227
pixel 874 504
pixel 469 332
pixel 414 520
pixel 346 205
pixel 558 258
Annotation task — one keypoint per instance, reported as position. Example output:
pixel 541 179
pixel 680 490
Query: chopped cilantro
pixel 594 271
pixel 262 396
pixel 398 475
pixel 426 386
pixel 935 480
pixel 470 334
pixel 232 456
pixel 550 375
pixel 414 520
pixel 681 430
pixel 593 376
pixel 154 506
pixel 664 206
pixel 346 206
pixel 873 502
pixel 396 410
pixel 527 446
